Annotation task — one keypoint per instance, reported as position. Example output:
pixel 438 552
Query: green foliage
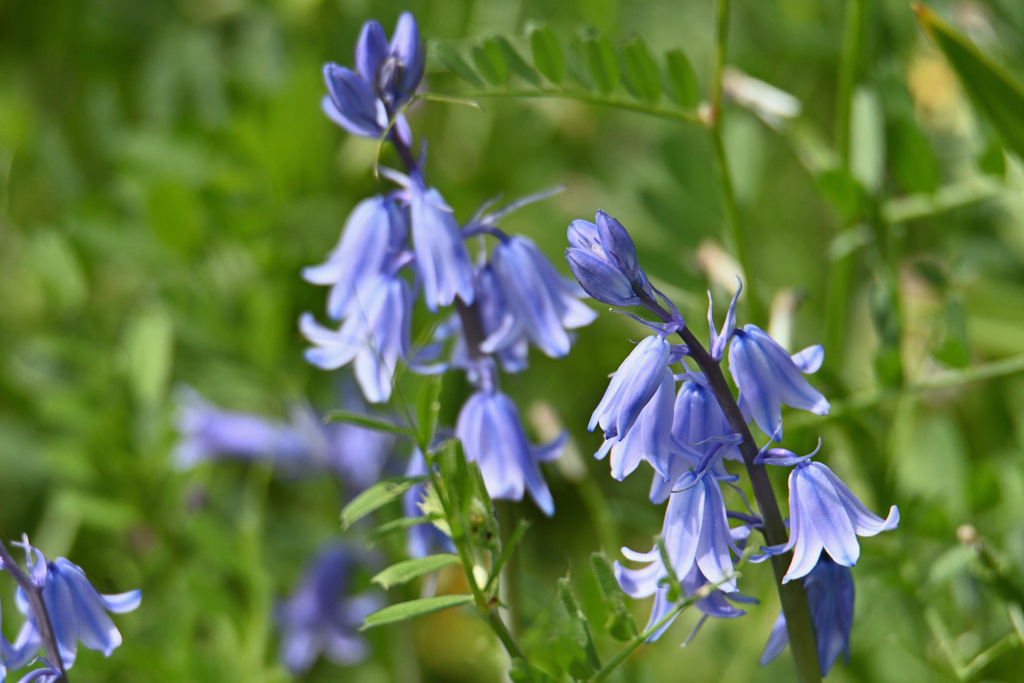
pixel 643 72
pixel 681 78
pixel 404 611
pixel 377 496
pixel 547 54
pixel 404 572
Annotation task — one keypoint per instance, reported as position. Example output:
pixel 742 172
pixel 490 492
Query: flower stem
pixel 734 227
pixel 34 594
pixel 791 595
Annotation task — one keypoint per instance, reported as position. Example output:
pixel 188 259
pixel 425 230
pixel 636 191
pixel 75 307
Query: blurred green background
pixel 165 173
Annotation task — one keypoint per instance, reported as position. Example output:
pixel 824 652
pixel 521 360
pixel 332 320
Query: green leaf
pixel 547 54
pixel 396 525
pixel 524 672
pixel 490 62
pixel 368 421
pixel 378 495
pixel 404 611
pixel 602 63
pixel 681 78
pixel 996 94
pixel 913 164
pixel 580 627
pixel 458 483
pixel 571 657
pixel 450 58
pixel 516 63
pixel 427 409
pixel 644 74
pixel 406 571
pixel 506 552
pixel 621 625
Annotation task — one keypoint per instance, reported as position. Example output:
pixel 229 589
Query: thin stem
pixel 791 595
pixel 34 594
pixel 734 232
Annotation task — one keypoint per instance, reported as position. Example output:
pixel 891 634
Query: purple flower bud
pixel 351 103
pixel 603 259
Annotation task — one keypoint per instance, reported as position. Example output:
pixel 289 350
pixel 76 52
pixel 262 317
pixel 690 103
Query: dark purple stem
pixel 34 594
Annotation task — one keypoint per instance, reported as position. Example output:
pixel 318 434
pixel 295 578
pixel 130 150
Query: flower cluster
pixel 396 245
pixel 685 435
pixel 75 611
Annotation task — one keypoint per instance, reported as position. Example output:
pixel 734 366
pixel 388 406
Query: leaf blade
pixel 547 54
pixel 377 496
pixel 682 78
pixel 367 421
pixel 404 611
pixel 406 571
pixel 642 70
pixel 456 64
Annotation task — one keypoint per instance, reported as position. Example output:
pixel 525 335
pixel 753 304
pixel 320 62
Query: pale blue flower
pixel 542 303
pixel 375 234
pixel 830 595
pixel 767 377
pixel 77 611
pixel 650 438
pixel 824 514
pixel 375 335
pixel 492 435
pixel 603 259
pixel 497 318
pixel 321 617
pixel 631 387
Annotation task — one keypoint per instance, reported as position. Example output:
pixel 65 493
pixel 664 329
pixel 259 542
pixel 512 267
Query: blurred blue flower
pixel 321 617
pixel 824 514
pixel 830 594
pixel 441 255
pixel 492 435
pixel 650 438
pixel 77 611
pixel 542 303
pixel 497 318
pixel 375 335
pixel 47 673
pixel 375 234
pixel 767 377
pixel 422 539
pixel 385 79
pixel 631 387
pixel 603 259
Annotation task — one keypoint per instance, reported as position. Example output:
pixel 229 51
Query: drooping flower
pixel 47 673
pixel 767 377
pixel 386 77
pixel 542 303
pixel 650 438
pixel 375 233
pixel 824 514
pixel 375 335
pixel 77 611
pixel 495 314
pixel 603 259
pixel 321 617
pixel 492 435
pixel 631 387
pixel 830 595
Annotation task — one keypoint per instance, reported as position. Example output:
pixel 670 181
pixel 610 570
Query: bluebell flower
pixel 542 303
pixel 631 387
pixel 824 514
pixel 492 435
pixel 321 617
pixel 47 673
pixel 375 234
pixel 77 611
pixel 603 259
pixel 375 335
pixel 767 377
pixel 422 539
pixel 650 438
pixel 386 77
pixel 652 580
pixel 830 594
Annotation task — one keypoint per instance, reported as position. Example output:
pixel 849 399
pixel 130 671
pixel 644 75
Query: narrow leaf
pixel 450 58
pixel 404 611
pixel 547 54
pixel 996 94
pixel 517 64
pixel 621 624
pixel 378 495
pixel 580 627
pixel 406 571
pixel 644 74
pixel 681 78
pixel 490 62
pixel 524 672
pixel 508 549
pixel 396 525
pixel 427 409
pixel 368 421
pixel 602 63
